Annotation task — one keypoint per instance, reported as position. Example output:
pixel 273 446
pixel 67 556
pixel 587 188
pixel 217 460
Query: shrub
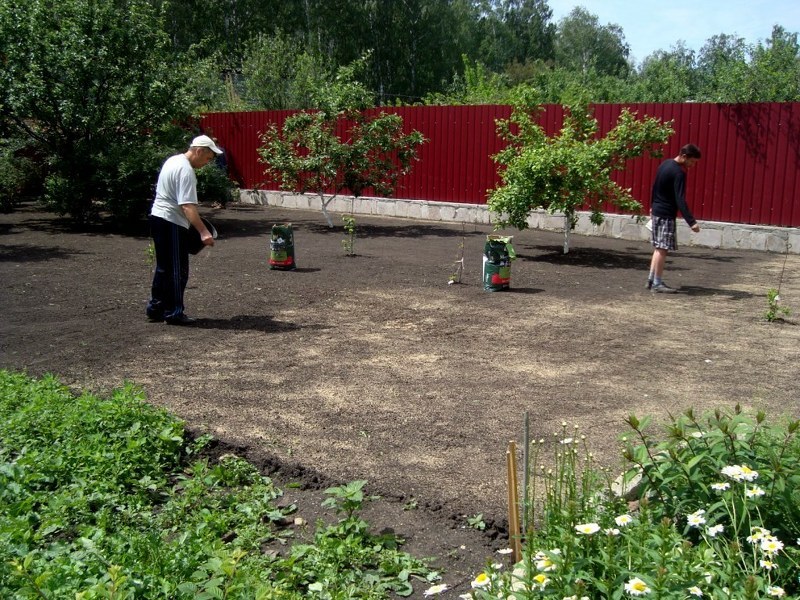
pixel 19 173
pixel 214 185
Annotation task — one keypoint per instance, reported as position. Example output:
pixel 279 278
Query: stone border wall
pixel 729 236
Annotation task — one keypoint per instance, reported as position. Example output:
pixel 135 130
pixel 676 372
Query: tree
pixel 722 68
pixel 564 172
pixel 279 75
pixel 340 146
pixel 775 69
pixel 582 44
pixel 91 86
pixel 668 76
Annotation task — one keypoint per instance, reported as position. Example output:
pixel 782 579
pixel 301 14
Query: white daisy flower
pixel 637 587
pixel 435 590
pixel 696 518
pixel 481 581
pixel 587 528
pixel 775 591
pixel 695 591
pixel 771 545
pixel 714 530
pixel 623 520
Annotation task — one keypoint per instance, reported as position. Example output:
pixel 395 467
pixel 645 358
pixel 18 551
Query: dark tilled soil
pixel 373 367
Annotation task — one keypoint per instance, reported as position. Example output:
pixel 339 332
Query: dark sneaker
pixel 663 288
pixel 649 283
pixel 181 320
pixel 154 316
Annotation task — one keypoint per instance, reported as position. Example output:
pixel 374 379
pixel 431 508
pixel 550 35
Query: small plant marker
pixel 513 508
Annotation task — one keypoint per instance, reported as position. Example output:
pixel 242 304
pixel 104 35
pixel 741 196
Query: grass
pixel 106 498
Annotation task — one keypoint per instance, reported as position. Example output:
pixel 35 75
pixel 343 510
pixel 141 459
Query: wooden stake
pixel 513 506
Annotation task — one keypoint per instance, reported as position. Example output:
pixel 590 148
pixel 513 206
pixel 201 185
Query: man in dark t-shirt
pixel 669 197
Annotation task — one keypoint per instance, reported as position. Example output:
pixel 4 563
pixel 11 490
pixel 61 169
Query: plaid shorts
pixel 664 234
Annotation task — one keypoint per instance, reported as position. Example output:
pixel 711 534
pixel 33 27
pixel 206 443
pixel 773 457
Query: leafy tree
pixel 572 169
pixel 722 68
pixel 90 85
pixel 279 75
pixel 668 76
pixel 478 85
pixel 582 44
pixel 340 147
pixel 775 69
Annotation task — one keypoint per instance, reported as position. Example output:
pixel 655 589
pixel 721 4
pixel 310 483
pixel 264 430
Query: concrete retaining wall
pixel 731 236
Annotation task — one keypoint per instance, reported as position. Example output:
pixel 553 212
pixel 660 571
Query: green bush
pixel 19 174
pixel 214 185
pixel 716 516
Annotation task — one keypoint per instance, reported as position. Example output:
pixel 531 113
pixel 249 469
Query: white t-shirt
pixel 177 184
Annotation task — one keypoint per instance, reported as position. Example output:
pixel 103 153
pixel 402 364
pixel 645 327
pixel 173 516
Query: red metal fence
pixel 749 172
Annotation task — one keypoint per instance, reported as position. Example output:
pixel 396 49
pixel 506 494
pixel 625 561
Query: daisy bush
pixel 711 510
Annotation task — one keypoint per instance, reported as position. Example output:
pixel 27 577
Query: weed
pixel 477 522
pixel 411 505
pixel 150 254
pixel 775 312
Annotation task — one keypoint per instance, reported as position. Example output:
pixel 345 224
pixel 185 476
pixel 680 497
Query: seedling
pixel 150 254
pixel 348 243
pixel 455 276
pixel 477 522
pixel 775 312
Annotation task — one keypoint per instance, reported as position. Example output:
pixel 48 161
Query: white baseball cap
pixel 205 142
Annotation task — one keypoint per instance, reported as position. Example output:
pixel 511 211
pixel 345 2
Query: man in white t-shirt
pixel 174 211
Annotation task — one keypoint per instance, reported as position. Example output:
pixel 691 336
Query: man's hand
pixel 190 210
pixel 206 237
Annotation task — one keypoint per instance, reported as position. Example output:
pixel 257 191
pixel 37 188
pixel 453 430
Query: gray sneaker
pixel 663 288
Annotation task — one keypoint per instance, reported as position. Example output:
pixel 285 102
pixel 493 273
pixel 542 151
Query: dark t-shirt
pixel 669 192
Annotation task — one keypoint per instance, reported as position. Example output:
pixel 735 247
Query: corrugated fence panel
pixel 748 173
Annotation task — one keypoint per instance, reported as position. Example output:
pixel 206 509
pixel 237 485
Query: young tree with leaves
pixel 572 169
pixel 340 147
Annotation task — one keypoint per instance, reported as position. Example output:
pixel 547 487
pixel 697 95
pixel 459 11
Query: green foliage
pixel 679 472
pixel 775 311
pixel 92 86
pixel 97 501
pixel 668 76
pixel 716 516
pixel 341 146
pixel 279 74
pixel 477 522
pixel 19 174
pixel 583 44
pixel 570 170
pixel 348 243
pixel 214 185
pixel 477 85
